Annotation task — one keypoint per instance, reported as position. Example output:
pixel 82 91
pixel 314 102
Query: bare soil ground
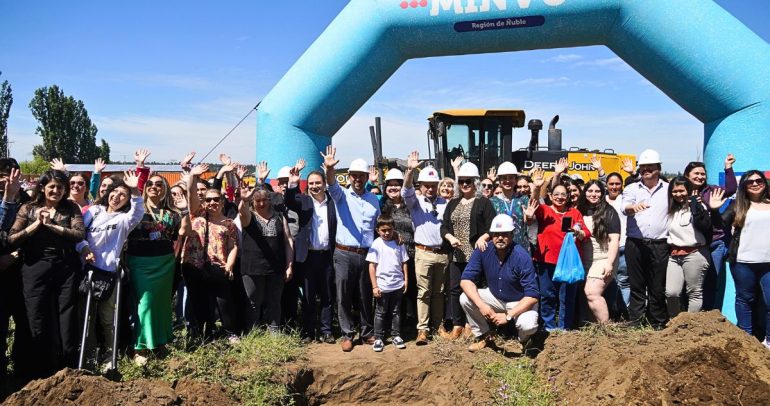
pixel 699 358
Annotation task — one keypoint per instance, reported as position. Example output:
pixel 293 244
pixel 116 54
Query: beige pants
pixel 430 270
pixel 526 323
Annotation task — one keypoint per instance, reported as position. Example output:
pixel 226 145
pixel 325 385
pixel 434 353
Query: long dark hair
pixel 600 211
pixel 105 199
pixel 673 205
pixel 47 177
pixel 742 201
pixel 165 201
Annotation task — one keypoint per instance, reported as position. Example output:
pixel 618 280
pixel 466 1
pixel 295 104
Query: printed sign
pixel 500 24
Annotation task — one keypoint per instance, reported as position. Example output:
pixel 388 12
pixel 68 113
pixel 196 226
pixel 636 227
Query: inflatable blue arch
pixel 693 50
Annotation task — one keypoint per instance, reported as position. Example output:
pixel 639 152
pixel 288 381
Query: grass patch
pixel 247 369
pixel 518 384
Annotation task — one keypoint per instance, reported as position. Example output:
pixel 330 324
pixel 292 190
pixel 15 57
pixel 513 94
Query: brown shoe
pixel 422 338
pixel 457 331
pixel 368 340
pixel 467 332
pixel 482 342
pixel 441 331
pixel 347 345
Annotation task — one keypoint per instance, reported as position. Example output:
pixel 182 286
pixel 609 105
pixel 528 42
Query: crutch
pixel 116 319
pixel 87 321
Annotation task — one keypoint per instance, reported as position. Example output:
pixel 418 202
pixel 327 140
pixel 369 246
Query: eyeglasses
pixel 467 181
pixel 156 184
pixel 522 187
pixel 213 199
pixel 434 212
pixel 487 185
pixel 757 181
pixel 559 194
pixel 77 182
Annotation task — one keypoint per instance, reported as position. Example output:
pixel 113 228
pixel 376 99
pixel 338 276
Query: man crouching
pixel 512 293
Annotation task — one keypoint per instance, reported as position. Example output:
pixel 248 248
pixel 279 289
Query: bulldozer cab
pixel 484 137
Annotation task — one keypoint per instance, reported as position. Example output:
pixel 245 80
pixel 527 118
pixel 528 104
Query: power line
pixel 230 132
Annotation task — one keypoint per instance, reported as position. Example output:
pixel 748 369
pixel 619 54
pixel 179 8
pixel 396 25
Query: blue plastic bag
pixel 569 267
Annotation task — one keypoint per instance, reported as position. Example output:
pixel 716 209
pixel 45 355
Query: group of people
pixel 454 257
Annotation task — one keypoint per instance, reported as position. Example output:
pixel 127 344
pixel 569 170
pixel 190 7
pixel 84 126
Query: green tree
pixel 65 127
pixel 36 166
pixel 6 100
pixel 104 151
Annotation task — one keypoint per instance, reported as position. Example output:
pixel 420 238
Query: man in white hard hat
pixel 512 203
pixel 357 212
pixel 646 205
pixel 430 256
pixel 512 294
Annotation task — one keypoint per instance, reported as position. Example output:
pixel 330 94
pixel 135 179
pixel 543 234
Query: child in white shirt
pixel 387 270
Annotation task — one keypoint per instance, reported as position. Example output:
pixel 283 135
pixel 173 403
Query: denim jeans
pixel 714 284
pixel 388 310
pixel 747 277
pixel 555 298
pixel 622 277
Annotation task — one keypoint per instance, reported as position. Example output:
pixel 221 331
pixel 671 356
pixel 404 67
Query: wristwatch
pixel 508 317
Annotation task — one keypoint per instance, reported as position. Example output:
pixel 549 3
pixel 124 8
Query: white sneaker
pixel 766 344
pixel 107 367
pixel 140 360
pixel 378 346
pixel 399 342
pixel 234 339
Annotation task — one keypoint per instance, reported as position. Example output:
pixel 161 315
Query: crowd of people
pixel 453 257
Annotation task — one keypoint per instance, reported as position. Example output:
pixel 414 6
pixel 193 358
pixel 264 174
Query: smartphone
pixel 566 224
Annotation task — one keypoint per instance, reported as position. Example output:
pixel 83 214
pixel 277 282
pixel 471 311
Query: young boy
pixel 387 270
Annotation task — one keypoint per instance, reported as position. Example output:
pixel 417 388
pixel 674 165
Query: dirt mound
pixel 440 373
pixel 699 358
pixel 70 387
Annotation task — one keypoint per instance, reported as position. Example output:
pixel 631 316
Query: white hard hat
pixel 428 175
pixel 507 168
pixel 468 170
pixel 502 223
pixel 284 172
pixel 648 156
pixel 394 174
pixel 358 165
pixel 576 176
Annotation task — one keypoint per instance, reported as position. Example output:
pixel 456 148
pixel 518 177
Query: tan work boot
pixel 467 332
pixel 422 338
pixel 443 333
pixel 457 331
pixel 482 342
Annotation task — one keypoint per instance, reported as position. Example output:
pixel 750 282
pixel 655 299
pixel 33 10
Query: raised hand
pixel 492 173
pixel 12 186
pixel 58 165
pixel 246 192
pixel 561 166
pixel 596 162
pixel 225 159
pixel 717 198
pixel 228 167
pixel 729 161
pixel 457 162
pixel 300 165
pixel 294 176
pixel 413 161
pixel 187 160
pixel 529 212
pixel 262 171
pixel 99 165
pixel 329 161
pixel 241 172
pixel 628 165
pixel 538 177
pixel 140 156
pixel 131 179
pixel 374 174
pixel 199 169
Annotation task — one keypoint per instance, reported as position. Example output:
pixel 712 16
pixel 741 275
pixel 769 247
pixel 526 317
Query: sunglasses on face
pixel 156 183
pixel 77 182
pixel 465 181
pixel 758 181
pixel 213 199
pixel 487 185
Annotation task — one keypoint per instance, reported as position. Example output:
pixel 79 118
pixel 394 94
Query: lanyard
pixel 162 216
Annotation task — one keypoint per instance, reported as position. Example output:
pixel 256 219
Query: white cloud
pixel 614 63
pixel 564 58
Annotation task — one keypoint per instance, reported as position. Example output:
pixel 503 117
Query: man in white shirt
pixel 430 257
pixel 646 204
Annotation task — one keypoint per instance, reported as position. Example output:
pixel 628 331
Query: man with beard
pixel 313 250
pixel 357 212
pixel 512 294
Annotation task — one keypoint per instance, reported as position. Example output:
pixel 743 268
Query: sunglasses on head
pixel 77 182
pixel 468 181
pixel 213 199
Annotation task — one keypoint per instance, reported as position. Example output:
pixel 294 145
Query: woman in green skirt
pixel 150 260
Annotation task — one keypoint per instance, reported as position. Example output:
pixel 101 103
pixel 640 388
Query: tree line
pixel 63 124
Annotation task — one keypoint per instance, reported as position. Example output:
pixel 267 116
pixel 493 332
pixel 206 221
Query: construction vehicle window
pixel 493 143
pixel 461 141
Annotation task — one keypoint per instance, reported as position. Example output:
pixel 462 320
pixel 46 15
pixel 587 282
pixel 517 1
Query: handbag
pixel 102 283
pixel 569 267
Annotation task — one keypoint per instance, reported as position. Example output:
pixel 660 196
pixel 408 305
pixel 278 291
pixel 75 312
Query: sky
pixel 176 76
